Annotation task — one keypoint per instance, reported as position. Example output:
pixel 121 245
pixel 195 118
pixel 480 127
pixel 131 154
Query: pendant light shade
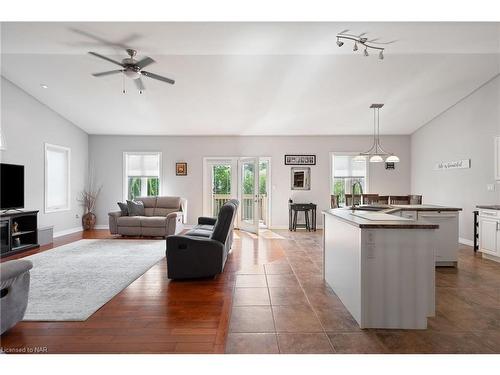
pixel 392 159
pixel 376 159
pixel 376 153
pixel 359 158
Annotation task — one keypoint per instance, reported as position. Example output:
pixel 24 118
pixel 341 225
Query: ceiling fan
pixel 132 69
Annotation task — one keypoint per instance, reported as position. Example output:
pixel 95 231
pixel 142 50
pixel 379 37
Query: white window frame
pixel 125 176
pixel 333 154
pixel 67 205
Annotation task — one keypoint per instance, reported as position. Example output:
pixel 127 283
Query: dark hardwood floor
pixel 270 299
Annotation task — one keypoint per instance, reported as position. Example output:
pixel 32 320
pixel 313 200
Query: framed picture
pixel 301 178
pixel 300 159
pixel 181 169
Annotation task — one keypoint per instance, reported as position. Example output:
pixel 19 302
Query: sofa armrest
pixel 189 257
pixel 11 269
pixel 203 220
pixel 174 223
pixel 113 221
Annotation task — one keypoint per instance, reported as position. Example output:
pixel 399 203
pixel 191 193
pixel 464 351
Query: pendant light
pixel 376 153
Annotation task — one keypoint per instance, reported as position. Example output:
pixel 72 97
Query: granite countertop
pixel 380 219
pixel 489 206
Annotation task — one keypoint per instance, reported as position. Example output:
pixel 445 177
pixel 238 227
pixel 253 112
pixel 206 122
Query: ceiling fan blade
pixel 145 62
pixel 107 73
pixel 156 76
pixel 106 58
pixel 139 84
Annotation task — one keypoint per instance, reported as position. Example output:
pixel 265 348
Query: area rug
pixel 71 282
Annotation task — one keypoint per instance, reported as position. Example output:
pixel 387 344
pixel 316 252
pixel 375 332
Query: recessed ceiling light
pixel 44 86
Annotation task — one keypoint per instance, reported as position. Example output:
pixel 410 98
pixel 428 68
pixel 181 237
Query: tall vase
pixel 88 221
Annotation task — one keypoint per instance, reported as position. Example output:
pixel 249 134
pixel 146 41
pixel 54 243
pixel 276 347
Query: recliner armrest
pixel 11 269
pixel 203 220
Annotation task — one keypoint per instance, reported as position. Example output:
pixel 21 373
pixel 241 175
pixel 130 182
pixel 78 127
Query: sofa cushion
pixel 129 221
pixel 169 202
pixel 123 208
pixel 149 202
pixel 196 232
pixel 135 208
pixel 164 211
pixel 154 221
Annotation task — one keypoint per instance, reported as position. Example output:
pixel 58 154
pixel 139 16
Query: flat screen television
pixel 11 186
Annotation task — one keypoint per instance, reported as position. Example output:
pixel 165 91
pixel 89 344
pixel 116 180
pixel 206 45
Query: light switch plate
pixel 490 187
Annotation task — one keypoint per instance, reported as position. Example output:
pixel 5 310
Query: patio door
pixel 249 194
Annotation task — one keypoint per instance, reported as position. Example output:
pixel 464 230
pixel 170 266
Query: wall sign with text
pixel 300 159
pixel 455 164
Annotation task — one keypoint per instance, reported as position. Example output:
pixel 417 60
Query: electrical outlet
pixel 77 216
pixel 490 187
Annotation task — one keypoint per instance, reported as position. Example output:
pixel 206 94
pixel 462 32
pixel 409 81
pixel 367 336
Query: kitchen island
pixel 381 266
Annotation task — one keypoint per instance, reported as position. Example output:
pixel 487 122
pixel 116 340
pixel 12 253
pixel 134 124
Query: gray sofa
pixel 14 290
pixel 202 251
pixel 163 216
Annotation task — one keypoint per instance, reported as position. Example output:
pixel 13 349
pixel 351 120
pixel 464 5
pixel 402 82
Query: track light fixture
pixel 365 42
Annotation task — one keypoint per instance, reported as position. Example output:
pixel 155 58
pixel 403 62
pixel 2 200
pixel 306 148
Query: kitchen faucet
pixel 353 207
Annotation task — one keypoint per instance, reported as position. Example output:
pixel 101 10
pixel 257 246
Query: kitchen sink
pixel 371 207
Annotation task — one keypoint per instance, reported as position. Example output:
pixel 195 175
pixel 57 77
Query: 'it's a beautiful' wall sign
pixel 455 164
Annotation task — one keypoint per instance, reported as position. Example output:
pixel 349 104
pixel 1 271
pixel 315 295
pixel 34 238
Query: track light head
pixel 381 55
pixel 366 52
pixel 339 42
pixel 355 48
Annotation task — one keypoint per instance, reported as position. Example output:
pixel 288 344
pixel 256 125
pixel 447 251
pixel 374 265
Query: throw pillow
pixel 123 208
pixel 135 208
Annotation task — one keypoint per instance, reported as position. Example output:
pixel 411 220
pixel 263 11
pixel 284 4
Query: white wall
pixel 27 124
pixel 465 131
pixel 106 153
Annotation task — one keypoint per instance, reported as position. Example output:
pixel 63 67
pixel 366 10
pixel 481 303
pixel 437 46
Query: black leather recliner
pixel 202 252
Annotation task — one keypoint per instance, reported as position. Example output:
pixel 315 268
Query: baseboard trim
pixel 465 241
pixel 102 226
pixel 67 231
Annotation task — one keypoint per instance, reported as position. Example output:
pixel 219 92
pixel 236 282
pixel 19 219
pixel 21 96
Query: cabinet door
pixel 488 236
pixel 497 158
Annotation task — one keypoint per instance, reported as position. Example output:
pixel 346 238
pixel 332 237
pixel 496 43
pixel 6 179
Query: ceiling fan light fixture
pixel 355 48
pixel 381 55
pixel 132 74
pixel 366 52
pixel 339 42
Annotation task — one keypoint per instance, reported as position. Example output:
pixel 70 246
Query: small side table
pixel 293 210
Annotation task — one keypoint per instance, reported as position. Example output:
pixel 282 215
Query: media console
pixel 22 239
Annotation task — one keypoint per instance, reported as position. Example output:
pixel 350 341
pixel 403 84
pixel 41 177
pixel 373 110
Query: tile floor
pixel 281 305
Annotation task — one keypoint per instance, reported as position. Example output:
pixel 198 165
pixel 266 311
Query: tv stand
pixel 26 236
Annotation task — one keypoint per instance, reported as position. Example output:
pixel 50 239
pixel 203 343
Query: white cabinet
pixel 446 236
pixel 497 158
pixel 489 232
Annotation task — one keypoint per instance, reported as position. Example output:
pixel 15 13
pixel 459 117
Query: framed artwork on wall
pixel 301 178
pixel 300 159
pixel 181 169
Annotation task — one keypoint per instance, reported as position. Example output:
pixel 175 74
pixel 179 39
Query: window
pixel 346 172
pixel 57 178
pixel 141 174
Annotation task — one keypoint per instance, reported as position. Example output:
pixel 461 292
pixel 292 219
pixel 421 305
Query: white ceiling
pixel 251 78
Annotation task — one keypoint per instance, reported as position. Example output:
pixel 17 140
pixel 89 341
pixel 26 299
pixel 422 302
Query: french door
pixel 249 194
pixel 244 178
